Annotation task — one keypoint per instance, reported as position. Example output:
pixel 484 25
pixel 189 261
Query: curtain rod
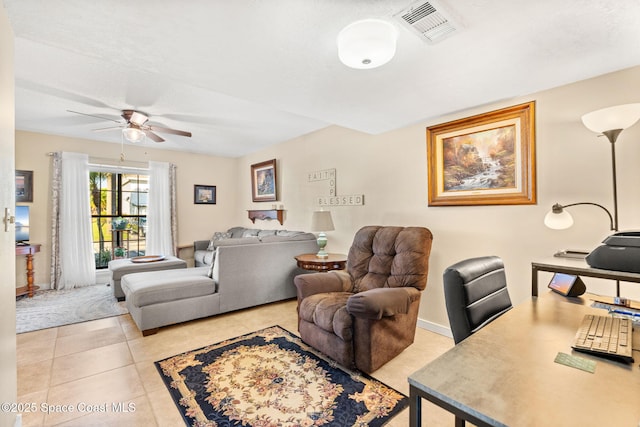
pixel 97 161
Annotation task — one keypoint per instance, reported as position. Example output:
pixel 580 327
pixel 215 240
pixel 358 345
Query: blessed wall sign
pixel 334 199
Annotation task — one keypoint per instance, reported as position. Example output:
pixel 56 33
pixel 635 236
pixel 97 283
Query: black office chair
pixel 475 292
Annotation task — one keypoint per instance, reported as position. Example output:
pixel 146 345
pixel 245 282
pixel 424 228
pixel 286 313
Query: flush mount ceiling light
pixel 133 134
pixel 369 43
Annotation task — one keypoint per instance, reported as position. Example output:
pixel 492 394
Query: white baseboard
pixel 435 327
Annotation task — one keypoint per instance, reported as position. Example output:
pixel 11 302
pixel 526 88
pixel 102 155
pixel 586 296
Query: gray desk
pixel 577 267
pixel 505 373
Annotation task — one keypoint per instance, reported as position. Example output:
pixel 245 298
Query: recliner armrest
pixel 316 283
pixel 382 302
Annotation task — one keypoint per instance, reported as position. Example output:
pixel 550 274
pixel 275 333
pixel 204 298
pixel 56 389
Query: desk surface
pixel 505 373
pixel 578 267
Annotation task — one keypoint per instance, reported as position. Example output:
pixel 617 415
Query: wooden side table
pixel 314 263
pixel 28 250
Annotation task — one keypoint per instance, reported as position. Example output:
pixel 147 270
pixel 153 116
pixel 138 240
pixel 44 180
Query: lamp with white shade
pixel 368 43
pixel 559 219
pixel 321 221
pixel 609 122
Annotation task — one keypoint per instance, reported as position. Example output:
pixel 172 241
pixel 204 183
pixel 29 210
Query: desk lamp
pixel 321 221
pixel 609 122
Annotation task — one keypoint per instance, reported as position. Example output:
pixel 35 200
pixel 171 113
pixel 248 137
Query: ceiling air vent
pixel 427 20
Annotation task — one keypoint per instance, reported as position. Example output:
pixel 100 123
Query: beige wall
pixel 8 372
pixel 194 221
pixel 390 169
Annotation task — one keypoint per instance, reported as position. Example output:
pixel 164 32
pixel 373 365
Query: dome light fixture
pixel 133 134
pixel 368 43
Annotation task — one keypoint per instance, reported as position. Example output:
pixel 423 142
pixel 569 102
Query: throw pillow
pixel 236 232
pixel 213 261
pixel 250 232
pixel 218 235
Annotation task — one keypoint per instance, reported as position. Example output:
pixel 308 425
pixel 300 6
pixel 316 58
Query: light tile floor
pixel 101 373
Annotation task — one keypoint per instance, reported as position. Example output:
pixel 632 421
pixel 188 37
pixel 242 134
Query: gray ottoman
pixel 120 267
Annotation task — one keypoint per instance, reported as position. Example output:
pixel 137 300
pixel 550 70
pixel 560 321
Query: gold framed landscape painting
pixel 488 159
pixel 264 181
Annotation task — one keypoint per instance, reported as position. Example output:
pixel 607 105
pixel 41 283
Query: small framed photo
pixel 24 186
pixel 204 194
pixel 264 182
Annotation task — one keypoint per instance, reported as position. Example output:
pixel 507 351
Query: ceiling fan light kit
pixel 368 43
pixel 133 134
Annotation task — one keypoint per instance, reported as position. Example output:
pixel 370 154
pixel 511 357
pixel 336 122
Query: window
pixel 119 215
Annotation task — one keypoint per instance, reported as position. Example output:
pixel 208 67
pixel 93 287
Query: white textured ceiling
pixel 242 75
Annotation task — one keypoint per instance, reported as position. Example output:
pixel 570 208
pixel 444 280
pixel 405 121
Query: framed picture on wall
pixel 488 159
pixel 264 182
pixel 24 186
pixel 204 194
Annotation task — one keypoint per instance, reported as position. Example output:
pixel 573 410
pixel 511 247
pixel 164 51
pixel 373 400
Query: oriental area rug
pixel 271 378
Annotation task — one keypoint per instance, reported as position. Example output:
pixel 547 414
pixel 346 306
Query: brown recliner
pixel 366 315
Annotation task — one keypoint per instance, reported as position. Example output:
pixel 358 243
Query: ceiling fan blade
pixel 153 136
pixel 93 115
pixel 168 130
pixel 108 128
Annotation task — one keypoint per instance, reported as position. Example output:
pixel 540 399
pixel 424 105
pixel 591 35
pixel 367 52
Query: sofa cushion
pixel 289 233
pixel 329 312
pixel 218 235
pixel 288 238
pixel 239 241
pixel 154 287
pixel 265 233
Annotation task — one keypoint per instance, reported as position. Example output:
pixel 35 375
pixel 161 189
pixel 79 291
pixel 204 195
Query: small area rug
pixel 271 378
pixel 52 308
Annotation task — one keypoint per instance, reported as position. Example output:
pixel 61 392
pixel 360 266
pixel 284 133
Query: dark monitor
pixel 568 285
pixel 22 224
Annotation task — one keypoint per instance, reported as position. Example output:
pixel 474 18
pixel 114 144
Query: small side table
pixel 313 263
pixel 28 250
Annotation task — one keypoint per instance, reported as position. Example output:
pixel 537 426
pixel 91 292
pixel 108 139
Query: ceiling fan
pixel 134 127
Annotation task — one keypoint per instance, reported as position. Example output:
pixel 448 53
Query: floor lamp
pixel 609 122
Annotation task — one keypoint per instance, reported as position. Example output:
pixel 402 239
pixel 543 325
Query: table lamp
pixel 321 221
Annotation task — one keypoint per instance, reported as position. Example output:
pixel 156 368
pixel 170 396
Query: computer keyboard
pixel 605 336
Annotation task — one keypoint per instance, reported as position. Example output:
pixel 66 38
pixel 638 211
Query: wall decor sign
pixel 325 175
pixel 204 194
pixel 488 159
pixel 264 183
pixel 24 186
pixel 333 199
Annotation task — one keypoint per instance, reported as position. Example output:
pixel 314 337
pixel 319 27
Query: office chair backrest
pixel 476 293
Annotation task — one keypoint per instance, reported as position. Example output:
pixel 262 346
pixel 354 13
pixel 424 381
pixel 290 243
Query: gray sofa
pixel 237 269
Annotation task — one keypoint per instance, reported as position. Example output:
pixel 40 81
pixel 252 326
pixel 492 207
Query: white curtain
pixel 72 237
pixel 161 210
